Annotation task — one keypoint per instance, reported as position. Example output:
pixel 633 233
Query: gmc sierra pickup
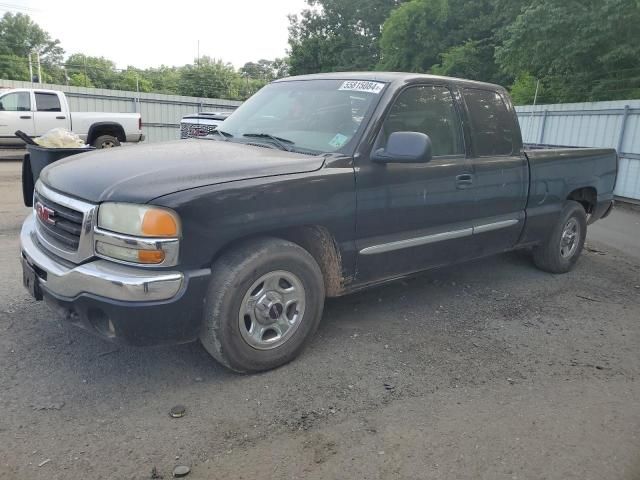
pixel 317 186
pixel 36 111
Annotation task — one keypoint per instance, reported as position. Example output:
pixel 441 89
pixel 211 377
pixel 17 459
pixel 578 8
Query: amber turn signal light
pixel 159 223
pixel 150 256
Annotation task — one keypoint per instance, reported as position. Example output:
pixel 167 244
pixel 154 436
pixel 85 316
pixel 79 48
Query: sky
pixel 145 33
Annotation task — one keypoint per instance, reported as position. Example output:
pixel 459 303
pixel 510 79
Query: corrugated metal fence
pixel 161 114
pixel 599 124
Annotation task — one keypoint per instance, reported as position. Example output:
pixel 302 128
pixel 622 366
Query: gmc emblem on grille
pixel 45 214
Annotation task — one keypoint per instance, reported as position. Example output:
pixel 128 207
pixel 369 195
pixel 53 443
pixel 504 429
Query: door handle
pixel 25 117
pixel 464 181
pixel 60 117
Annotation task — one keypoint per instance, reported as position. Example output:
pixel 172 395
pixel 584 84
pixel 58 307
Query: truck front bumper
pixel 125 304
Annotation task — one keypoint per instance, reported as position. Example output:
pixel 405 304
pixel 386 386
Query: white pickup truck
pixel 36 111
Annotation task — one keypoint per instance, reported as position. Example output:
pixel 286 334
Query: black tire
pixel 233 275
pixel 27 181
pixel 106 141
pixel 548 256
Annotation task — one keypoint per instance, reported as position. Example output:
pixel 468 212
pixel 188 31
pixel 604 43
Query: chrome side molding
pixel 417 241
pixel 489 227
pixel 438 237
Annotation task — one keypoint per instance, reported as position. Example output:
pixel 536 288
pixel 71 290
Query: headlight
pixel 137 234
pixel 138 220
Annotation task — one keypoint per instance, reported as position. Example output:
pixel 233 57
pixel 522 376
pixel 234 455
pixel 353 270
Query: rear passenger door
pixel 49 113
pixel 501 178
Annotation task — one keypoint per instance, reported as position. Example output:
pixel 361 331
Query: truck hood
pixel 140 173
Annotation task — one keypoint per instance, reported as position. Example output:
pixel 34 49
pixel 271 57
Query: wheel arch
pixel 106 128
pixel 585 196
pixel 316 240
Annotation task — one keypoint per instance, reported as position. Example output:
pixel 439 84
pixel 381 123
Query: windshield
pixel 310 116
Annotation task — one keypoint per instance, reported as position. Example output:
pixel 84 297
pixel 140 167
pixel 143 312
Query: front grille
pixel 188 130
pixel 65 226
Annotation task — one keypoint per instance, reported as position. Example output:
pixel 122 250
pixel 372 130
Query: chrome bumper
pixel 99 277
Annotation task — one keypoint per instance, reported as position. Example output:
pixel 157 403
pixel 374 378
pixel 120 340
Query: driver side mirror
pixel 405 147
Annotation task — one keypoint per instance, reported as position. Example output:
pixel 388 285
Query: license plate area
pixel 30 280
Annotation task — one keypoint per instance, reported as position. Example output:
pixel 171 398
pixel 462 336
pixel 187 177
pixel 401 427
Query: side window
pixel 430 110
pixel 16 102
pixel 491 123
pixel 47 102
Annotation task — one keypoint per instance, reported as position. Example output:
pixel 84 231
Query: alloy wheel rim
pixel 272 310
pixel 570 238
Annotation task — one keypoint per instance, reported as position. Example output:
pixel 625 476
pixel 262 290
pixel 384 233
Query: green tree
pixel 447 37
pixel 79 79
pixel 19 36
pixel 211 78
pixel 473 59
pixel 133 79
pixel 101 71
pixel 581 49
pixel 13 67
pixel 523 90
pixel 337 35
pixel 163 79
pixel 414 36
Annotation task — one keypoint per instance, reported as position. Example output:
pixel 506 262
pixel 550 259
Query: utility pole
pixel 30 68
pixel 85 70
pixel 39 69
pixel 198 54
pixel 137 92
pixel 535 97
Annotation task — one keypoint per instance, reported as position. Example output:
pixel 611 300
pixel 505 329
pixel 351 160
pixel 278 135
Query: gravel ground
pixel 492 370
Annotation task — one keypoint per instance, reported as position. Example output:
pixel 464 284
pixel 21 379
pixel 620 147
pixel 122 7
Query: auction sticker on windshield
pixel 362 86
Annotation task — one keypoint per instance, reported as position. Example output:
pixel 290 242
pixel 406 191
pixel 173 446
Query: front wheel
pixel 560 252
pixel 264 303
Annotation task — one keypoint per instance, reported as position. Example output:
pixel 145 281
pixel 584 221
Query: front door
pixel 15 114
pixel 415 216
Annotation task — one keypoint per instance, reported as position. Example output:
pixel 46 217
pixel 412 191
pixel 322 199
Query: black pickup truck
pixel 317 186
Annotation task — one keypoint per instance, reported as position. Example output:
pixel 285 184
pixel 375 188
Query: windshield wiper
pixel 225 135
pixel 279 141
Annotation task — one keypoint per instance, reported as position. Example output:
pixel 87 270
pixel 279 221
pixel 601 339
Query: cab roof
pixel 390 77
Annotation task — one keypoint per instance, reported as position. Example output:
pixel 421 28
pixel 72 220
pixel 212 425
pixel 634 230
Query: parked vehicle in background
pixel 36 111
pixel 201 124
pixel 317 186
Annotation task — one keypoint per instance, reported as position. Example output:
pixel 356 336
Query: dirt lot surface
pixel 491 370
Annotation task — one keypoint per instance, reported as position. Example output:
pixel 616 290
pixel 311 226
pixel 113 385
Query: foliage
pixel 523 90
pixel 415 35
pixel 100 71
pixel 446 37
pixel 574 50
pixel 133 79
pixel 337 35
pixel 583 50
pixel 210 78
pixel 19 36
pixel 473 60
pixel 266 70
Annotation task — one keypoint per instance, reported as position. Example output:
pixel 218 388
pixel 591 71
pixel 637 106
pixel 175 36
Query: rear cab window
pixel 47 102
pixel 491 122
pixel 428 109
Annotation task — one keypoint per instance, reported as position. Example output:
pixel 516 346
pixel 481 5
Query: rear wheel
pixel 560 252
pixel 106 141
pixel 264 303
